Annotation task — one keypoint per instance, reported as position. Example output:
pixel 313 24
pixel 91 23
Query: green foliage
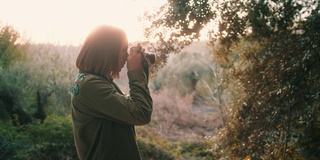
pixel 280 82
pixel 12 55
pixel 233 20
pixel 183 72
pixel 154 146
pixel 51 140
pixel 54 140
pixel 10 49
pixel 151 151
pixel 270 52
pixel 197 149
pixel 173 20
pixel 49 69
pixel 52 72
pixel 191 71
pixel 14 83
pixel 46 70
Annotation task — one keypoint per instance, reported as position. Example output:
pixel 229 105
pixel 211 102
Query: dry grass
pixel 175 117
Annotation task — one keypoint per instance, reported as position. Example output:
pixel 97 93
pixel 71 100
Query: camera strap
pixel 145 66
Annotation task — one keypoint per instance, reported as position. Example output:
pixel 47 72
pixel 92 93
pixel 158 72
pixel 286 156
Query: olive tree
pixel 270 52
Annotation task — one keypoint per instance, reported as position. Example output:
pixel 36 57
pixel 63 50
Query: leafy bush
pixel 52 71
pixel 51 140
pixel 155 146
pixel 10 50
pixel 276 115
pixel 183 71
pixel 192 71
pixel 177 129
pixel 49 69
pixel 151 151
pixel 54 140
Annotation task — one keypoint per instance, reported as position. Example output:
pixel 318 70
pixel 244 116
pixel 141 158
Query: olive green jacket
pixel 104 118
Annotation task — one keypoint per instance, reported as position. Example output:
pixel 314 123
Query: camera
pixel 151 57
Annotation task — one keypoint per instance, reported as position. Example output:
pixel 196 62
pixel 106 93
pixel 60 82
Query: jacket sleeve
pixel 101 100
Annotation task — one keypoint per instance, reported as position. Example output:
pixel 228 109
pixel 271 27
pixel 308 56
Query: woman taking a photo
pixel 103 117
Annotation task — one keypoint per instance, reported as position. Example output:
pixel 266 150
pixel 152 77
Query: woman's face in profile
pixel 123 55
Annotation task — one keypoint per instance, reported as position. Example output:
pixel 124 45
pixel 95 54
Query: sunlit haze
pixel 70 21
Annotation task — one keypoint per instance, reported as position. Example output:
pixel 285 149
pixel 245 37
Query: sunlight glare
pixel 69 22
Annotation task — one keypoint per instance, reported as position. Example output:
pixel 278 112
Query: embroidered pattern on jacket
pixel 76 89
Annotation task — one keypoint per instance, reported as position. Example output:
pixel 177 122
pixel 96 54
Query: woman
pixel 103 117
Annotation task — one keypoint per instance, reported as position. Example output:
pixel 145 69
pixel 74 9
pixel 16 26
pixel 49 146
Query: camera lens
pixel 151 57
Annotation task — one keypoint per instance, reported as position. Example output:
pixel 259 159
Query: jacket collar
pixel 87 72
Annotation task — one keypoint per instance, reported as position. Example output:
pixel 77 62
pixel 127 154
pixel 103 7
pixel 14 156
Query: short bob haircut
pixel 100 52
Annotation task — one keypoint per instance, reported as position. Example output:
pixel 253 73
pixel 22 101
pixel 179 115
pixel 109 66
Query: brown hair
pixel 100 52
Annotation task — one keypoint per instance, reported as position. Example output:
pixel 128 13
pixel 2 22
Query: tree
pixel 270 51
pixel 10 49
pixel 16 96
pixel 11 52
pixel 278 78
pixel 176 24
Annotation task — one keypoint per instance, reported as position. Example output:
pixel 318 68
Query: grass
pixel 178 128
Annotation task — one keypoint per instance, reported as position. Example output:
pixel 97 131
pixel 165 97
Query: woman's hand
pixel 134 61
pixel 134 58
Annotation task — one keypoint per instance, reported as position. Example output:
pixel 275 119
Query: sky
pixel 68 22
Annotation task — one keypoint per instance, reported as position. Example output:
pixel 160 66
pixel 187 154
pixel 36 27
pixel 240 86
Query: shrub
pixel 51 140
